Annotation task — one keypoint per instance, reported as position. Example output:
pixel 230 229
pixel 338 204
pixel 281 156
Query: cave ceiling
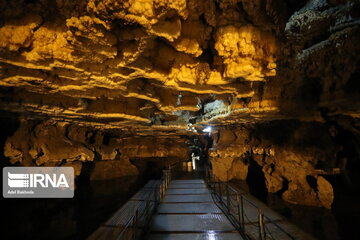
pixel 173 66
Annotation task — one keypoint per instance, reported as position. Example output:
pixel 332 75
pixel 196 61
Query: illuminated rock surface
pixel 117 82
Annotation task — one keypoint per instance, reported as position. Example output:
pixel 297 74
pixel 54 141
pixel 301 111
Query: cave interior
pixel 265 92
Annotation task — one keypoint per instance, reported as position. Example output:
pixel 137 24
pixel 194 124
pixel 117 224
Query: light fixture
pixel 208 129
pixel 179 99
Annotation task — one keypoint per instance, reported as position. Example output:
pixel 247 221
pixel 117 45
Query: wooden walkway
pixel 188 212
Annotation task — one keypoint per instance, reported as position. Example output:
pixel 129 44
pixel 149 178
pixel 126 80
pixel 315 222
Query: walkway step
pixel 188 208
pixel 187 185
pixel 196 236
pixel 187 181
pixel 188 191
pixel 191 223
pixel 188 212
pixel 188 198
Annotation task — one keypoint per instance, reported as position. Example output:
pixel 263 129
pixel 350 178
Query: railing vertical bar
pixel 135 224
pixel 261 227
pixel 220 192
pixel 227 197
pixel 238 210
pixel 143 211
pixel 242 212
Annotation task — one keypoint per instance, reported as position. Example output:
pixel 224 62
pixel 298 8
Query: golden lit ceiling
pixel 151 64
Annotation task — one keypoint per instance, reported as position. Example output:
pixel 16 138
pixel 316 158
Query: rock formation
pixel 52 143
pixel 118 82
pixel 291 156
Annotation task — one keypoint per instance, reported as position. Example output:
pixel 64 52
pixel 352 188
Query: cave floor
pixel 188 212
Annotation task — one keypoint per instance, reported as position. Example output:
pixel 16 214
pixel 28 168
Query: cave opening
pixel 256 181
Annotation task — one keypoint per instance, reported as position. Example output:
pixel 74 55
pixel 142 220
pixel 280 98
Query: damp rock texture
pixel 156 72
pixel 152 63
pixel 296 160
pixel 105 155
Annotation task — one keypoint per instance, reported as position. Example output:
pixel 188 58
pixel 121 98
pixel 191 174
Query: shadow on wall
pixel 9 123
pixel 151 167
pixel 256 181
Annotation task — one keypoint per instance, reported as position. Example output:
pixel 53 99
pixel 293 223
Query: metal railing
pixel 249 219
pixel 138 223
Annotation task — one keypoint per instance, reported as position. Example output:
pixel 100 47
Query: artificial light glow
pixel 191 128
pixel 208 129
pixel 193 158
pixel 193 164
pixel 211 235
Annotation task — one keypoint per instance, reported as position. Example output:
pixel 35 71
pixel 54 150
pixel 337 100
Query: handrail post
pixel 164 176
pixel 163 190
pixel 168 178
pixel 220 192
pixel 227 196
pixel 216 187
pixel 135 224
pixel 213 182
pixel 154 192
pixel 261 226
pixel 242 212
pixel 238 210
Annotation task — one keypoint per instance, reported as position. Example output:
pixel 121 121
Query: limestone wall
pixel 294 157
pixel 50 143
